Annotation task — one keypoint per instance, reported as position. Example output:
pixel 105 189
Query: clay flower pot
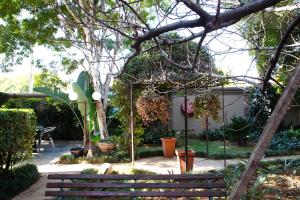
pixel 181 159
pixel 168 145
pixel 106 147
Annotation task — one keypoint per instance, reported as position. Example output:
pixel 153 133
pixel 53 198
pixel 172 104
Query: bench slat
pixel 136 177
pixel 133 185
pixel 136 194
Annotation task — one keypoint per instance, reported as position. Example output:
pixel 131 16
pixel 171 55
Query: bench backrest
pixel 118 185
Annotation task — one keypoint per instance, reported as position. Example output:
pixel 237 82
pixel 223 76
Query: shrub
pixel 238 130
pixel 17 133
pixel 149 152
pixel 68 159
pixel 153 133
pixel 213 135
pixel 286 140
pixel 89 171
pixel 119 99
pixel 21 178
pixel 142 172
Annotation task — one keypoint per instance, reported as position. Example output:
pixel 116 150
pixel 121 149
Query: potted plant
pixel 154 107
pixel 77 152
pixel 168 145
pixel 182 162
pixel 107 145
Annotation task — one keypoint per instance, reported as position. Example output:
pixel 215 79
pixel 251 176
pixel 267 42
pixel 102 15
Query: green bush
pixel 238 130
pixel 17 133
pixel 20 179
pixel 69 159
pixel 150 152
pixel 153 133
pixel 286 140
pixel 213 135
pixel 89 171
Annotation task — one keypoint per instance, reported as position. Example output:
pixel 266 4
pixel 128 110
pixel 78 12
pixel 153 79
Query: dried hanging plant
pixel 152 107
pixel 207 105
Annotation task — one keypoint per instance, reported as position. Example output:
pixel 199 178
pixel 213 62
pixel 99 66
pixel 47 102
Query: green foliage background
pixel 51 112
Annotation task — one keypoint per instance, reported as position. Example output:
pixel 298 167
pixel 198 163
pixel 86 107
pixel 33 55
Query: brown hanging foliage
pixel 152 107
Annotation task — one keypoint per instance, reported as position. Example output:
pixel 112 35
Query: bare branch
pixel 197 9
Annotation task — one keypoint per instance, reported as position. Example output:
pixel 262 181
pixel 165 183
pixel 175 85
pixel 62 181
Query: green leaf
pixel 55 93
pixel 85 83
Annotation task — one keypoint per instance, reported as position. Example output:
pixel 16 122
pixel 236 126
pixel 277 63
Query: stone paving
pixel 47 157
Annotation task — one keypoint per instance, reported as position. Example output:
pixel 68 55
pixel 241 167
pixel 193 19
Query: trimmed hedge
pixel 17 133
pixel 21 178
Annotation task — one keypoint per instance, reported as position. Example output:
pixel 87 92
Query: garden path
pixel 46 159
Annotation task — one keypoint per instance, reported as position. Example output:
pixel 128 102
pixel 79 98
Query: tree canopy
pixel 264 32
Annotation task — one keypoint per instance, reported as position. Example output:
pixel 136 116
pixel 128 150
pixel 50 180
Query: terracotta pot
pixel 106 147
pixel 168 145
pixel 181 159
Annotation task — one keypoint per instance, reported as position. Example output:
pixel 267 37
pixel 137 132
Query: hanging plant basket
pixel 189 111
pixel 207 105
pixel 152 107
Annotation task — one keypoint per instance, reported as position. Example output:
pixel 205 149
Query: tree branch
pixel 246 9
pixel 197 9
pixel 275 57
pixel 170 27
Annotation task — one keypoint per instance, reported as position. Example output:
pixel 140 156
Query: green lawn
pixel 216 150
pixel 216 147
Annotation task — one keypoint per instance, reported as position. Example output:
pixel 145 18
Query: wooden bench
pixel 118 185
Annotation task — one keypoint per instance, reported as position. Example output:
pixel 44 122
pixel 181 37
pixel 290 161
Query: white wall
pixel 234 106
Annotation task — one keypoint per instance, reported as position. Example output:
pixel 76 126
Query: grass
pixel 216 150
pixel 217 147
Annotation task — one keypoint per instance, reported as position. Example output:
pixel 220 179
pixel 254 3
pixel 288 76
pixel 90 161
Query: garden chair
pixel 46 132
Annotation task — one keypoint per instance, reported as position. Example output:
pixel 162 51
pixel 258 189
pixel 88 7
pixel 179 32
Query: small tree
pixel 119 100
pixel 207 105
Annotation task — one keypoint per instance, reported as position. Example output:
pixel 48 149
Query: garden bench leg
pixel 61 189
pixel 210 187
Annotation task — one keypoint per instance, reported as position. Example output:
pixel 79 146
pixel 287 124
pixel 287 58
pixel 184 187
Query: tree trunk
pixel 101 120
pixel 92 47
pixel 273 123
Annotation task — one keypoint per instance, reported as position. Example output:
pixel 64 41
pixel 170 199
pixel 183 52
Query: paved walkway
pixel 46 159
